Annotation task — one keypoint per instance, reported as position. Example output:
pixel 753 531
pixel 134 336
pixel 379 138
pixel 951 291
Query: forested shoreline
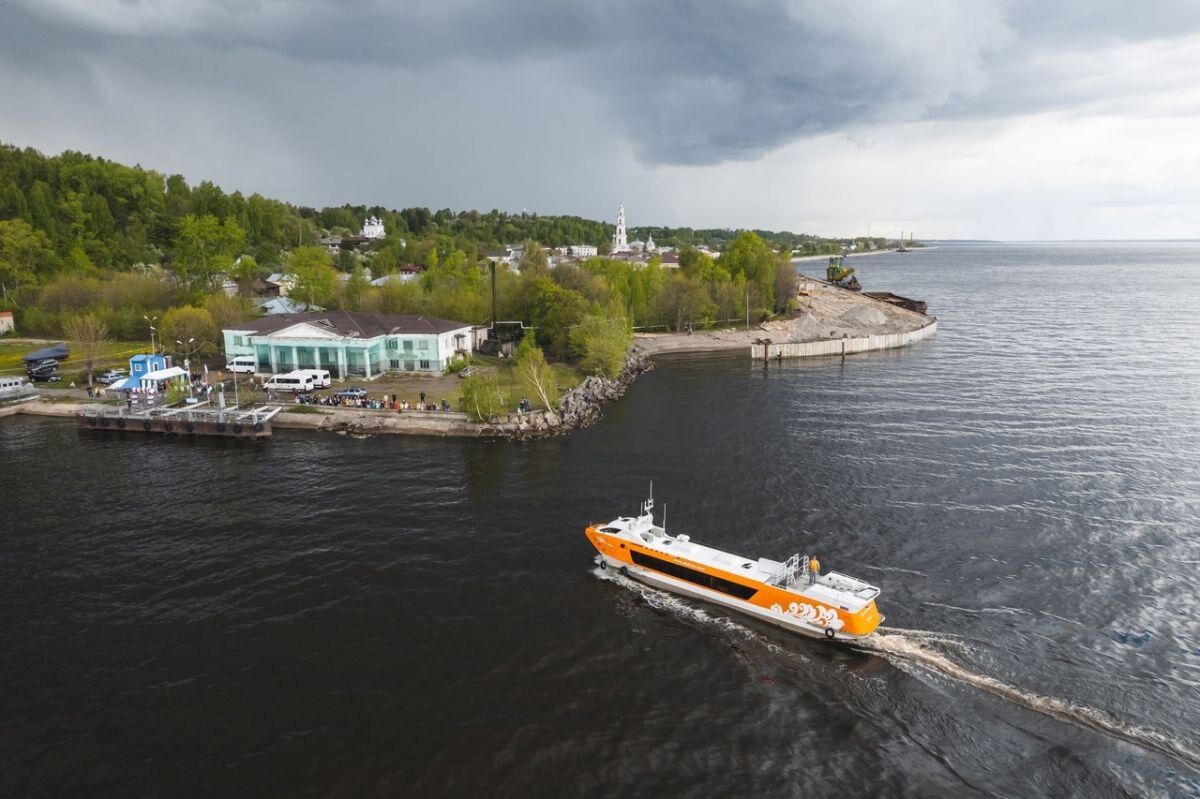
pixel 85 238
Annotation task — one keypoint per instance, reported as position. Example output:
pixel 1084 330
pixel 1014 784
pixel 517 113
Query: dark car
pixel 353 392
pixel 45 377
pixel 44 365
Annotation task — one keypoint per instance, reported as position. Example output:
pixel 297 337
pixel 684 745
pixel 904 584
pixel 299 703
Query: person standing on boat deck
pixel 814 570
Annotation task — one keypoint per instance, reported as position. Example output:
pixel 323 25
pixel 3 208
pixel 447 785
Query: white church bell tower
pixel 620 241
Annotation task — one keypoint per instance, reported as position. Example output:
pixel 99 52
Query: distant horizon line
pixel 1062 241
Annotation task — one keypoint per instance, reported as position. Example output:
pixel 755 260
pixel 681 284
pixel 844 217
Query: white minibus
pixel 242 363
pixel 292 381
pixel 320 377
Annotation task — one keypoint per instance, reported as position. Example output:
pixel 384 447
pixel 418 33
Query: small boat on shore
pixel 792 594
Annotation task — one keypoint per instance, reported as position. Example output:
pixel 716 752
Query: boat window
pixel 666 543
pixel 747 565
pixel 692 576
pixel 610 529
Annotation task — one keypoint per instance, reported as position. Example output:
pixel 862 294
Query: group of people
pixel 366 402
pixel 524 406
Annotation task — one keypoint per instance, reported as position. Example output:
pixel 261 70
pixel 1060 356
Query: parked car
pixel 353 392
pixel 44 365
pixel 467 371
pixel 46 377
pixel 112 376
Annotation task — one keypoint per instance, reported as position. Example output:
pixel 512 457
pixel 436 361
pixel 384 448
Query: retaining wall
pixel 841 346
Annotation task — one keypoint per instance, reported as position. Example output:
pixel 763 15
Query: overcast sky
pixel 1003 119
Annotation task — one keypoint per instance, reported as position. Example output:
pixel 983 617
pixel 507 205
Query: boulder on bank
pixel 579 407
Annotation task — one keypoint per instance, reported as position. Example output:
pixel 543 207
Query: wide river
pixel 326 616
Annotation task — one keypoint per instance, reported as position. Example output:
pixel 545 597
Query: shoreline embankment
pixel 830 321
pixel 578 408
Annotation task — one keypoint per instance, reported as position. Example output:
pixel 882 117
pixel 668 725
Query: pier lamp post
pixel 187 360
pixel 152 329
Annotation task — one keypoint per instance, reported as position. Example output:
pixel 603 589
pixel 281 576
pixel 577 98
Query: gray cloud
pixel 694 113
pixel 685 83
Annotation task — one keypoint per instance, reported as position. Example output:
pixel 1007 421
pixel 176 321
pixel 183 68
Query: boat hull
pixel 676 586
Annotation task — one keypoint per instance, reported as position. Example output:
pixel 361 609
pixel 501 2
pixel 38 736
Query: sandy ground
pixel 825 312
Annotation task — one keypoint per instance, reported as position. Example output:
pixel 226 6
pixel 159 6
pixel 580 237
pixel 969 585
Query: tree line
pixel 87 242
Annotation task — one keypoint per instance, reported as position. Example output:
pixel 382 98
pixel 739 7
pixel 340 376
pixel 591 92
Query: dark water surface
pixel 322 616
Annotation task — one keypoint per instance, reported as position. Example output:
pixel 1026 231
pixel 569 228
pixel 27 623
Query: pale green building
pixel 348 343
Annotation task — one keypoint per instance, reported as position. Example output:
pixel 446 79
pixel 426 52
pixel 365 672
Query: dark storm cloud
pixel 684 82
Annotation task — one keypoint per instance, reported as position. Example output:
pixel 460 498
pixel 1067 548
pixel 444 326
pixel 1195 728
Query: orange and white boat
pixel 792 594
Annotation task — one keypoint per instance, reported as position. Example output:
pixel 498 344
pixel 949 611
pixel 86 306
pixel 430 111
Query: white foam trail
pixel 910 649
pixel 670 603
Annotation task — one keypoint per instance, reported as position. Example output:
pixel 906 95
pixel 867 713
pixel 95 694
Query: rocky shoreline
pixel 579 408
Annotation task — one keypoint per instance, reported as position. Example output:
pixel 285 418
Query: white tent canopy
pixel 148 381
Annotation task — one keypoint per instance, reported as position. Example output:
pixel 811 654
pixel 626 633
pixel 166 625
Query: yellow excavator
pixel 841 275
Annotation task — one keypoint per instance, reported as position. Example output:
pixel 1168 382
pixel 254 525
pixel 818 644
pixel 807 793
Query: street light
pixel 151 320
pixel 187 360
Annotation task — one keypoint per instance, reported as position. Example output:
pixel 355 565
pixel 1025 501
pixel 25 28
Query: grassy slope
pixel 115 353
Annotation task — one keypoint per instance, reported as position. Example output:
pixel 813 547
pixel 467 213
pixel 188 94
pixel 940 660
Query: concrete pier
pixel 195 420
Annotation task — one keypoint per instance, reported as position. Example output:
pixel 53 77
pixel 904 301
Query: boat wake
pixel 916 648
pixel 912 647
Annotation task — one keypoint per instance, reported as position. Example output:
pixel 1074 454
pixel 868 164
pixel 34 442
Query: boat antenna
pixel 664 524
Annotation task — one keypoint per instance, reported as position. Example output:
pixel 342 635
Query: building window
pixel 422 344
pixel 407 346
pixel 392 344
pixel 393 364
pixel 409 366
pixel 424 364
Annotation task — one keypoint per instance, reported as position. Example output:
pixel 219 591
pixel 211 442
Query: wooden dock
pixel 190 420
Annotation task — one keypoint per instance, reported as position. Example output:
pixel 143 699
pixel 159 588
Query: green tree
pixel 245 271
pixel 354 289
pixel 227 311
pixel 314 280
pixel 89 334
pixel 686 301
pixel 189 330
pixel 553 311
pixel 535 374
pixel 22 251
pixel 601 343
pixel 533 261
pixel 205 249
pixel 482 397
pixel 748 255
